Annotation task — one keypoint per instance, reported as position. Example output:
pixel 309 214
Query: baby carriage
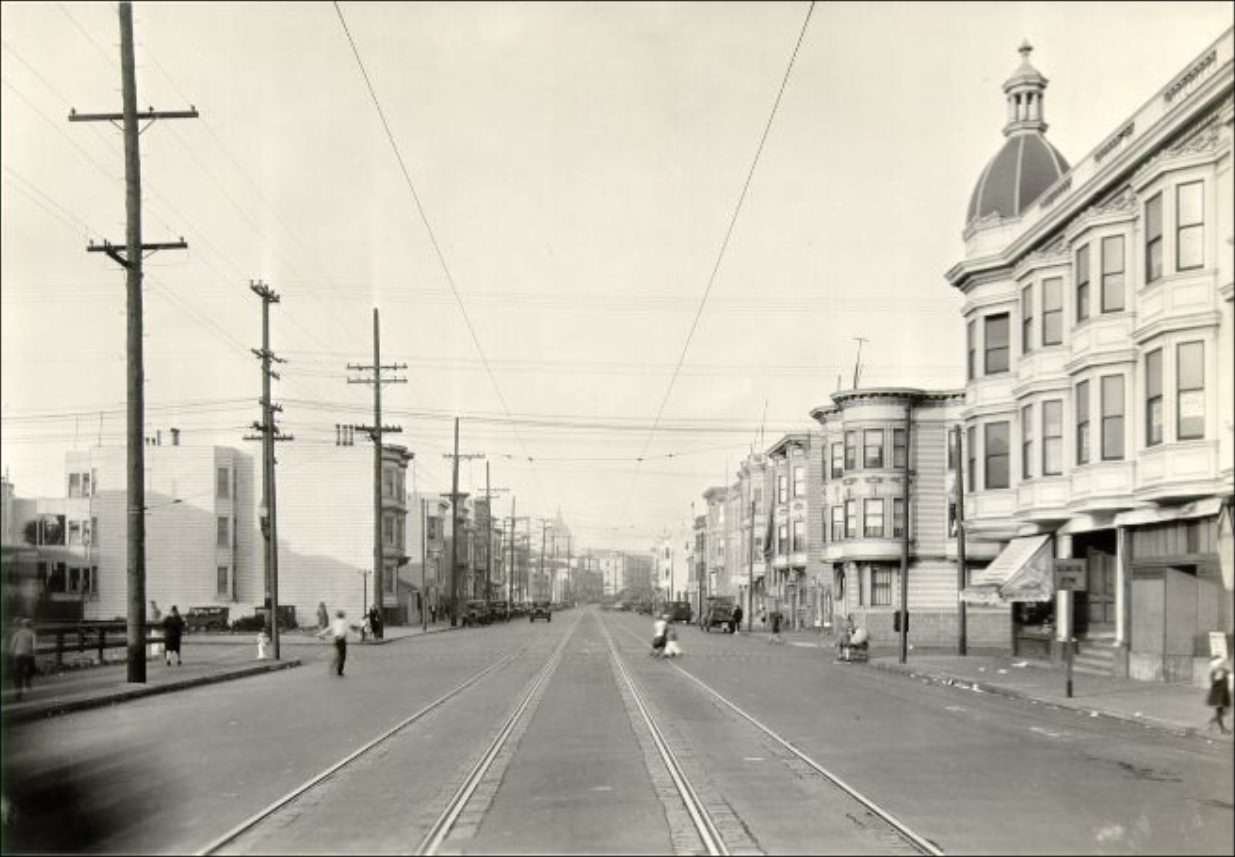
pixel 672 649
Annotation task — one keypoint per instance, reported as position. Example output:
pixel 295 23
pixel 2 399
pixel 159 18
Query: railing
pixel 80 636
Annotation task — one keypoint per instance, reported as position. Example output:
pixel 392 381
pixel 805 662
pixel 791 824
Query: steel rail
pixel 901 829
pixel 441 828
pixel 255 819
pixel 699 816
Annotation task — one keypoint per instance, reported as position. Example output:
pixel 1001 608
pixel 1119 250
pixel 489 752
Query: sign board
pixel 1070 574
pixel 1218 645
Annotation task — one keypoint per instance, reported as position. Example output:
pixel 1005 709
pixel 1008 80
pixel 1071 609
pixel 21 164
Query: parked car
pixel 476 612
pixel 718 613
pixel 679 611
pixel 541 610
pixel 206 619
pixel 501 610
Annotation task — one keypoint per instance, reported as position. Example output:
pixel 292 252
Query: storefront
pixel 1021 578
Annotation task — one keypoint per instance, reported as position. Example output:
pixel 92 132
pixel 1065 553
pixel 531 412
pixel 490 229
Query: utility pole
pixel 959 491
pixel 510 572
pixel 455 497
pixel 489 492
pixel 570 572
pixel 268 434
pixel 424 564
pixel 129 257
pixel 857 364
pixel 904 637
pixel 544 525
pixel 750 574
pixel 375 432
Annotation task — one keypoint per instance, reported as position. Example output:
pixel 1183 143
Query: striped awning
pixel 1023 571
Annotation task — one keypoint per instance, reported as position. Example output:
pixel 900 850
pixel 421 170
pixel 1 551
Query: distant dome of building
pixel 1027 164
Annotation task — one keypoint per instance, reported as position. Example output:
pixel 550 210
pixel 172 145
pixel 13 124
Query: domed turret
pixel 1027 164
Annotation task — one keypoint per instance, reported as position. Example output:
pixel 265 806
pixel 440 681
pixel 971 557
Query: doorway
pixel 1095 614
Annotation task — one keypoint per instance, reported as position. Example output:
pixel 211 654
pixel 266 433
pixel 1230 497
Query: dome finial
pixel 1025 49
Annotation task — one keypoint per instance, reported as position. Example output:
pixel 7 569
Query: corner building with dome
pixel 1098 406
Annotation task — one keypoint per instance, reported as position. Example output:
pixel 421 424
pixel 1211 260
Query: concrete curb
pixel 1012 693
pixel 23 712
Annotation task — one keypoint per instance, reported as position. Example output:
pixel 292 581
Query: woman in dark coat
pixel 1219 697
pixel 173 627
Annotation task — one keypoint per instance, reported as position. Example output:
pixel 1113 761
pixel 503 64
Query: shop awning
pixel 1023 571
pixel 1205 508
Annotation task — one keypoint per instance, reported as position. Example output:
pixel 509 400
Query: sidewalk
pixel 1176 707
pixel 207 658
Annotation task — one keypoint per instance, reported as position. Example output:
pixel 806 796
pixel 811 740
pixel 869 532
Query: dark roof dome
pixel 1027 164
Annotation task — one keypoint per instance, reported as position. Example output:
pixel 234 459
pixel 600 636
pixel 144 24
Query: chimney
pixel 175 437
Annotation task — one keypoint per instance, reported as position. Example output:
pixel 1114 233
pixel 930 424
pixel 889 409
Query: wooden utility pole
pixel 489 492
pixel 904 635
pixel 129 257
pixel 857 364
pixel 750 574
pixel 544 531
pixel 375 432
pixel 424 564
pixel 268 434
pixel 510 572
pixel 958 489
pixel 455 497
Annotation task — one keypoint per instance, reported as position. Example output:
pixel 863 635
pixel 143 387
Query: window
pixel 388 482
pixel 93 535
pixel 1082 284
pixel 223 533
pixel 222 484
pixel 996 331
pixel 1189 226
pixel 759 498
pixel 899 458
pixel 86 490
pixel 1082 422
pixel 388 530
pixel 1190 391
pixel 1153 397
pixel 1153 238
pixel 1027 319
pixel 838 460
pixel 1113 273
pixel 881 587
pixel 1052 437
pixel 1027 442
pixel 971 348
pixel 851 450
pixel 838 523
pixel 782 487
pixel 996 441
pixel 799 536
pixel 898 517
pixel 799 482
pixel 872 518
pixel 782 539
pixel 971 473
pixel 1112 417
pixel 872 448
pixel 222 577
pixel 1052 311
pixel 74 484
pixel 74 532
pixel 851 519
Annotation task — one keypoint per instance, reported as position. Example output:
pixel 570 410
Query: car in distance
pixel 679 611
pixel 540 610
pixel 476 613
pixel 206 619
pixel 501 611
pixel 718 613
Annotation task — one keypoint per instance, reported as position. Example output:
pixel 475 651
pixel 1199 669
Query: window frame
pixel 222 531
pixel 881 586
pixel 838 459
pixel 799 480
pixel 1052 441
pixel 971 476
pixel 222 483
pixel 900 449
pixel 222 580
pixel 1080 399
pixel 1154 251
pixel 869 503
pixel 1181 390
pixel 1052 311
pixel 971 345
pixel 990 458
pixel 1181 228
pixel 867 446
pixel 782 488
pixel 1110 276
pixel 898 517
pixel 851 519
pixel 838 522
pixel 1110 418
pixel 1082 274
pixel 1027 319
pixel 797 535
pixel 1027 441
pixel 1154 399
pixel 1004 350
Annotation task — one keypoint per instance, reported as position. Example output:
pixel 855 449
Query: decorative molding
pixel 1061 187
pixel 1192 75
pixel 1114 142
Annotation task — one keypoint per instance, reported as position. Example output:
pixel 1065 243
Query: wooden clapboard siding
pixel 932 585
pixel 929 509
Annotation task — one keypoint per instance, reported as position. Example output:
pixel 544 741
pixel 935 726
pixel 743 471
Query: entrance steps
pixel 1095 655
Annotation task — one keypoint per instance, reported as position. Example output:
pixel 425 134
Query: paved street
pixel 579 770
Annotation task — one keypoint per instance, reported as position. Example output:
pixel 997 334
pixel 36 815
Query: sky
pixel 539 200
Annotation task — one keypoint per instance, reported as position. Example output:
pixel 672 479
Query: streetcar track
pixel 300 791
pixel 458 803
pixel 901 829
pixel 701 819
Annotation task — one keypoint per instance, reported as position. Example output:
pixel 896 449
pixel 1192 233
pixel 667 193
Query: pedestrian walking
pixel 737 619
pixel 323 615
pixel 660 630
pixel 22 646
pixel 155 618
pixel 776 620
pixel 375 622
pixel 1219 697
pixel 338 631
pixel 173 628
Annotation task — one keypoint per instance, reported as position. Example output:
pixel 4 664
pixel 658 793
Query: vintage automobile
pixel 206 619
pixel 718 612
pixel 541 610
pixel 476 612
pixel 679 611
pixel 501 610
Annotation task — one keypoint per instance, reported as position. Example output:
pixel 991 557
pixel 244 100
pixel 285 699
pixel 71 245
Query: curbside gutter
pixel 23 712
pixel 1012 693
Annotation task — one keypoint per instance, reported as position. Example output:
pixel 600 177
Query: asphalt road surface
pixel 568 738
